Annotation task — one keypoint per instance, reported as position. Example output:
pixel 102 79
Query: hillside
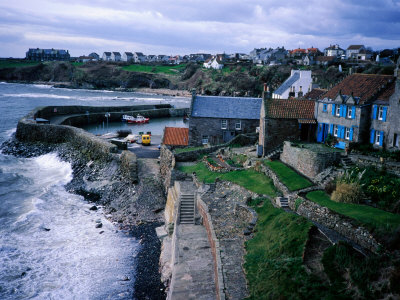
pixel 233 79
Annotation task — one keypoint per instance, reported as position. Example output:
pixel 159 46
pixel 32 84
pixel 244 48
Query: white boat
pixel 132 120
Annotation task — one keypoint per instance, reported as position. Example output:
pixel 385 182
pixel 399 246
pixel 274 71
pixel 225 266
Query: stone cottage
pixel 350 108
pixel 285 119
pixel 393 135
pixel 216 120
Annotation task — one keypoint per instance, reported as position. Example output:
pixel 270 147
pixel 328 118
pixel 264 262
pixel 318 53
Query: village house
pixel 268 56
pixel 214 62
pixel 334 50
pixel 139 57
pixel 346 110
pixel 285 119
pixel 127 56
pixel 392 141
pixel 106 56
pixel 299 83
pixel 115 56
pixel 94 56
pixel 38 54
pixel 175 137
pixel 216 120
pixel 84 58
pixel 151 58
pixel 162 58
pixel 353 50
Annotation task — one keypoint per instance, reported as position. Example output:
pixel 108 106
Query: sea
pixel 50 247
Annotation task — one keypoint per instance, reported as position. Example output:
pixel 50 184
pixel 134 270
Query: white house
pixel 214 62
pixel 353 50
pixel 106 56
pixel 139 57
pixel 94 56
pixel 115 56
pixel 333 50
pixel 298 84
pixel 151 58
pixel 127 56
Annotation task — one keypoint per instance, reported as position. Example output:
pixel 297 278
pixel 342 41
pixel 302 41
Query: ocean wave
pixel 36 95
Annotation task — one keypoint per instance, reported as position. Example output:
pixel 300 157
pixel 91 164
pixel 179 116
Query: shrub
pixel 124 133
pixel 330 187
pixel 347 192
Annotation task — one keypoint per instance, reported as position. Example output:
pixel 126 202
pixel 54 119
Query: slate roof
pixel 287 84
pixel 107 53
pixel 355 47
pixel 226 107
pixel 117 53
pixel 176 136
pixel 315 94
pixel 290 109
pixel 365 86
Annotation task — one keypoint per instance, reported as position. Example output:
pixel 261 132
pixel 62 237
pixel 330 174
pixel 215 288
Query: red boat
pixel 132 120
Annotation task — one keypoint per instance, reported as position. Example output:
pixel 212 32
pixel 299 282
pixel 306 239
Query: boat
pixel 135 120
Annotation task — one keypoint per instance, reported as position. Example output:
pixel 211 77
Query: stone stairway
pixel 282 202
pixel 274 153
pixel 187 209
pixel 347 162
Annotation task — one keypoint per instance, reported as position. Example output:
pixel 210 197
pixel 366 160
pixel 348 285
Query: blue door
pixel 322 132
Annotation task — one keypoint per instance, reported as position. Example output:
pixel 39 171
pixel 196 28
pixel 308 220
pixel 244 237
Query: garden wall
pixel 367 161
pixel 341 224
pixel 306 161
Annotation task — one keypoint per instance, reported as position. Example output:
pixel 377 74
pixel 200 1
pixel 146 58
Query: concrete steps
pixel 274 153
pixel 282 202
pixel 187 209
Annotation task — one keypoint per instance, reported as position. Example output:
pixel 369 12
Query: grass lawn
pixel 17 63
pixel 188 149
pixel 78 64
pixel 249 179
pixel 290 178
pixel 371 217
pixel 170 69
pixel 273 262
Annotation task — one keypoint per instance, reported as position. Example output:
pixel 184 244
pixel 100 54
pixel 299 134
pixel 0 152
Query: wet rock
pixel 101 232
pixel 99 225
pixel 94 207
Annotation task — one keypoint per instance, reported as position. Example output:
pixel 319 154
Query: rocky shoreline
pixel 101 183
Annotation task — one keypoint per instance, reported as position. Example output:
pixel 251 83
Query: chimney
pixel 192 101
pixel 266 92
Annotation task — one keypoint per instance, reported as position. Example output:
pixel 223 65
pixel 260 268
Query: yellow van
pixel 146 139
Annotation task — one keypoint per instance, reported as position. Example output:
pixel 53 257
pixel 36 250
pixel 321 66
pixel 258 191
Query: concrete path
pixel 193 276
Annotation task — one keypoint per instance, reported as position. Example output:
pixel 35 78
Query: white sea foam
pixel 36 95
pixel 10 132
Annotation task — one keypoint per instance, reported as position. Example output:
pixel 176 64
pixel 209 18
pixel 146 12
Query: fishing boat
pixel 135 120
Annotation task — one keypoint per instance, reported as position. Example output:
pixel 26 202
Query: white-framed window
pixel 335 130
pixel 238 125
pixel 349 111
pixel 377 137
pixel 204 139
pixel 337 113
pixel 224 124
pixel 380 112
pixel 396 140
pixel 347 133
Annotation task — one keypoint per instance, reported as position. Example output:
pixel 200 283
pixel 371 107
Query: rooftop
pixel 365 86
pixel 315 94
pixel 176 136
pixel 226 107
pixel 290 109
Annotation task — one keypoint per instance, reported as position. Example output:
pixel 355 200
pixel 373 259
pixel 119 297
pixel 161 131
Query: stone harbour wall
pixel 334 221
pixel 88 144
pixel 308 162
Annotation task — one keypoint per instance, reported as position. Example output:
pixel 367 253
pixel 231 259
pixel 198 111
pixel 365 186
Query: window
pixel 380 112
pixel 238 125
pixel 335 130
pixel 301 88
pixel 396 140
pixel 204 139
pixel 349 112
pixel 347 133
pixel 377 137
pixel 324 107
pixel 224 124
pixel 337 113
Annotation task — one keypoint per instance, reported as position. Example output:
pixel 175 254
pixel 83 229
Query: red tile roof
pixel 387 92
pixel 290 109
pixel 176 136
pixel 315 94
pixel 365 86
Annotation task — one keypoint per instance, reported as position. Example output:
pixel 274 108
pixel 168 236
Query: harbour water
pixel 50 247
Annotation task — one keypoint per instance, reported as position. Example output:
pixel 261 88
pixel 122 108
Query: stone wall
pixel 211 127
pixel 334 221
pixel 306 161
pixel 368 161
pixel 88 144
pixel 276 131
pixel 167 164
pixel 129 165
pixel 202 208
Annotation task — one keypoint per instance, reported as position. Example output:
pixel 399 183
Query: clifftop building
pixel 37 54
pixel 298 84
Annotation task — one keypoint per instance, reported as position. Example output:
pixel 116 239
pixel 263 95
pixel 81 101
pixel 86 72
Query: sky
pixel 193 26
